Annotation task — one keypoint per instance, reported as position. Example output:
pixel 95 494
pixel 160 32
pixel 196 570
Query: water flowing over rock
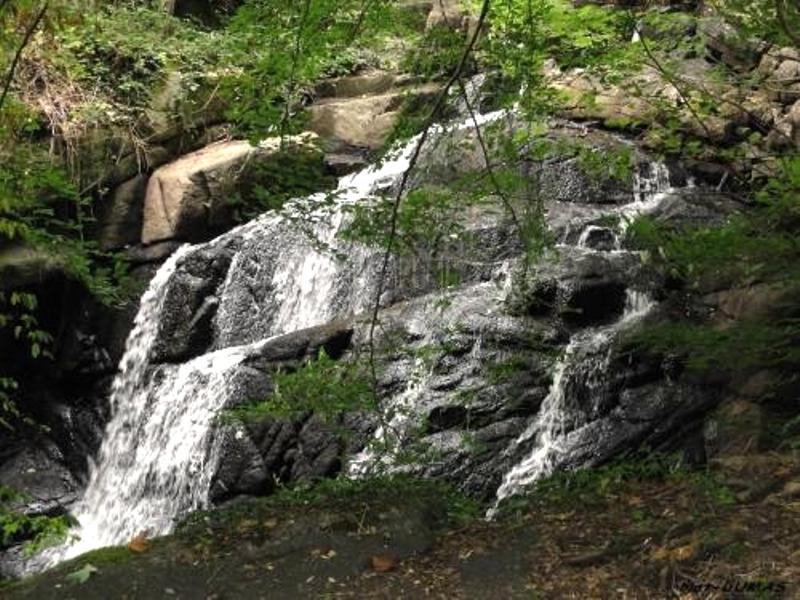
pixel 575 397
pixel 500 379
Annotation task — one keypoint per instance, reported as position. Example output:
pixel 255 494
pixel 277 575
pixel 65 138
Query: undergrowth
pixel 600 484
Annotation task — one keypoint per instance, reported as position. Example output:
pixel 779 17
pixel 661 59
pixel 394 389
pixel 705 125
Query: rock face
pixel 121 216
pixel 468 373
pixel 360 111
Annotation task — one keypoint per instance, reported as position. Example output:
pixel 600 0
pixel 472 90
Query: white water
pixel 159 450
pixel 584 362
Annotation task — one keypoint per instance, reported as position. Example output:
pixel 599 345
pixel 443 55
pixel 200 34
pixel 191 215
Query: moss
pixel 104 556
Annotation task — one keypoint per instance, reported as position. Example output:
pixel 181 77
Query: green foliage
pixel 597 484
pixel 758 246
pixel 324 386
pixel 744 346
pixel 437 54
pixel 40 531
pixel 289 174
pixel 461 508
pixel 282 47
pixel 502 371
pixel 755 19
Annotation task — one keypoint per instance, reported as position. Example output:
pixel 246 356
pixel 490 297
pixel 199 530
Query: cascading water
pixel 159 451
pixel 582 370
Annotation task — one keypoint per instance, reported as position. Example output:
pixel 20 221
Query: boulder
pixel 371 82
pixel 363 121
pixel 446 13
pixel 783 75
pixel 582 288
pixel 760 302
pixel 725 43
pixel 190 199
pixel 24 267
pixel 793 116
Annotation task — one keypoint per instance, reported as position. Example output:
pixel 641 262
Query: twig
pixel 298 41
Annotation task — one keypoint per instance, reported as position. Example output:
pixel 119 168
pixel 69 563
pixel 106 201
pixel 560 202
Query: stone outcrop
pixel 363 109
pixel 121 215
pixel 191 197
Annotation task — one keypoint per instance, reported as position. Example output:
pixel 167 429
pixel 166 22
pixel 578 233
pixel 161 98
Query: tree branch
pixel 782 8
pixel 393 224
pixel 18 55
pixel 292 83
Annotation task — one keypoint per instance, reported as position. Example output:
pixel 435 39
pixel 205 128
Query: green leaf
pixel 83 574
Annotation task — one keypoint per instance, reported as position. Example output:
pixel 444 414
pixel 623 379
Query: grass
pixel 593 486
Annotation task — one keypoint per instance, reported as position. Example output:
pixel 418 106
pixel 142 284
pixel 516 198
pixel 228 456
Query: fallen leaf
pixel 383 563
pixel 139 544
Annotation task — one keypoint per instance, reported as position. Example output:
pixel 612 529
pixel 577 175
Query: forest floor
pixel 732 534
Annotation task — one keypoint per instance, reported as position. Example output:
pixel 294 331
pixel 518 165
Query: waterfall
pixel 582 368
pixel 159 452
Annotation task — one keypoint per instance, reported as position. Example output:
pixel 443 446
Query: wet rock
pixel 582 288
pixel 241 470
pixel 190 306
pixel 568 181
pixel 600 238
pixel 318 453
pixel 39 473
